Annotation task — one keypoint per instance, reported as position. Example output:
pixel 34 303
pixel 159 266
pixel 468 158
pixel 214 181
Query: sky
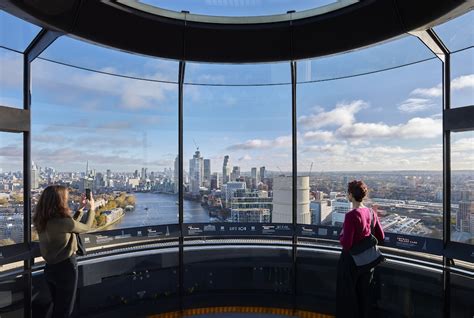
pixel 389 120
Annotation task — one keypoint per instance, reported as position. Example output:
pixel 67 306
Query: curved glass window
pixel 462 187
pixel 15 33
pixel 390 54
pixel 11 188
pixel 11 79
pixel 457 33
pixel 114 135
pixel 99 58
pixel 237 142
pixel 379 129
pixel 238 8
pixel 462 78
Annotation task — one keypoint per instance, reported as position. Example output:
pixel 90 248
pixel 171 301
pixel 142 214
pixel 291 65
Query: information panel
pixel 135 234
pixel 237 229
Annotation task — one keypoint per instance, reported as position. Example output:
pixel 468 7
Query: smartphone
pixel 88 194
pixel 76 215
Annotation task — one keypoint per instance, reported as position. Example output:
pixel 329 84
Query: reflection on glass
pixel 236 8
pixel 237 148
pixel 462 187
pixel 11 79
pixel 11 188
pixel 377 128
pixel 16 33
pixel 113 135
pixel 457 33
pixel 392 53
pixel 78 53
pixel 462 79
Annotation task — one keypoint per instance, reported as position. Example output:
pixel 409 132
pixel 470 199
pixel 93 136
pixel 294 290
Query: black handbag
pixel 366 253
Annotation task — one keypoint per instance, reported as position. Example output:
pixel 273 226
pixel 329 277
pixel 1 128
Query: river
pixel 159 208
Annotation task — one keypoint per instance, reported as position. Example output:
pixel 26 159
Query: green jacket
pixel 58 241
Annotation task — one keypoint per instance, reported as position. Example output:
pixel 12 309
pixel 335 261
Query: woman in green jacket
pixel 57 231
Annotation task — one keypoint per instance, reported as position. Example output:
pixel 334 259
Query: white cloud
pixel 436 91
pixel 461 82
pixel 245 158
pixel 279 142
pixel 414 128
pixel 343 114
pixel 319 135
pixel 412 105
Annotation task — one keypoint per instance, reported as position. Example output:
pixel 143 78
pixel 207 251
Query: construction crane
pixel 310 170
pixel 281 172
pixel 197 147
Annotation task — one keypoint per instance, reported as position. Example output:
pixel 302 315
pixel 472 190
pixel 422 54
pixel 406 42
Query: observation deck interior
pixel 262 111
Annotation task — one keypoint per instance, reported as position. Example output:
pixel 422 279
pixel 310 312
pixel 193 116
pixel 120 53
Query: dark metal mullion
pixel 28 263
pixel 294 178
pixel 182 65
pixel 44 39
pixel 446 185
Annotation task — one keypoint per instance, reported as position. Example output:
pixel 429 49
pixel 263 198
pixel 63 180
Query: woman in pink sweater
pixel 354 285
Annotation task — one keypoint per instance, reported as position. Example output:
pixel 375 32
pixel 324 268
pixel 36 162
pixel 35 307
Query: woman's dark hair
pixel 52 203
pixel 358 189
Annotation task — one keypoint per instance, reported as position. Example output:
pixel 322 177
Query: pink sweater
pixel 357 226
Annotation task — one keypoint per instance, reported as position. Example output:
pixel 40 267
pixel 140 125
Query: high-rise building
pixel 254 176
pixel 196 172
pixel 176 175
pixel 262 174
pixel 35 176
pixel 214 181
pixel 251 206
pixel 207 172
pixel 283 200
pixel 144 175
pixel 226 170
pixel 235 173
pixel 340 206
pixel 230 187
pixel 320 211
pixel 464 215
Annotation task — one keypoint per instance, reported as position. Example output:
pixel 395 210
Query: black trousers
pixel 354 289
pixel 62 283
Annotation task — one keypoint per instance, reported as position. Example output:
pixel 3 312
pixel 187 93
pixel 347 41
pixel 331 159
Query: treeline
pixel 120 201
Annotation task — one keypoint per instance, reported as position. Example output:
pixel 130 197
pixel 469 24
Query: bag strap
pixel 371 220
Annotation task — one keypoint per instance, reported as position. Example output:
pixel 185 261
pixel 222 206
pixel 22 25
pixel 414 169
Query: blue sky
pixel 384 121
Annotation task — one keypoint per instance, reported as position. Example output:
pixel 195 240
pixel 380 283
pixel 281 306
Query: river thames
pixel 159 208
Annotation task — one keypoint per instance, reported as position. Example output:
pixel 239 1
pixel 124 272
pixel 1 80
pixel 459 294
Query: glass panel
pixel 462 187
pixel 16 33
pixel 236 8
pixel 11 188
pixel 462 79
pixel 379 129
pixel 243 74
pixel 237 147
pixel 78 53
pixel 11 79
pixel 114 135
pixel 457 33
pixel 393 53
pixel 13 297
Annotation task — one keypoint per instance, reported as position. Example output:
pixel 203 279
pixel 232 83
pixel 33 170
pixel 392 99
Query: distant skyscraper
pixel 235 173
pixel 214 181
pixel 226 170
pixel 229 189
pixel 207 172
pixel 254 176
pixel 176 175
pixel 465 212
pixel 283 200
pixel 196 172
pixel 262 173
pixel 144 174
pixel 35 177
